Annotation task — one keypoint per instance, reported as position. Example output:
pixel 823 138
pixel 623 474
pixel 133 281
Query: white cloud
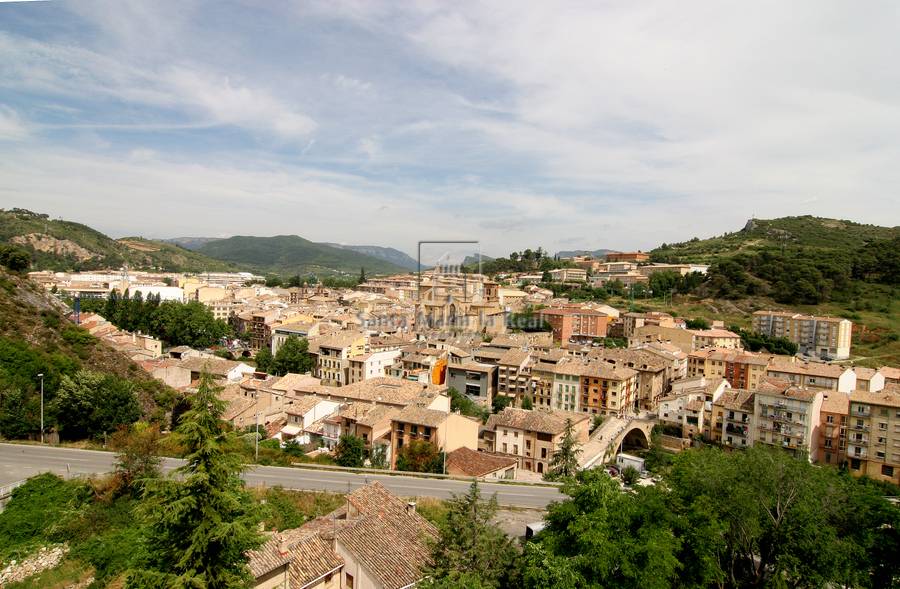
pixel 70 72
pixel 12 128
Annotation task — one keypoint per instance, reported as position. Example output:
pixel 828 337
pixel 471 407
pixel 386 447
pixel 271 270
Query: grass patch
pixel 434 510
pixel 291 509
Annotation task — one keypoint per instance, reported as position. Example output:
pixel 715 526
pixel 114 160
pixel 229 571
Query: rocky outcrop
pixel 46 558
pixel 59 247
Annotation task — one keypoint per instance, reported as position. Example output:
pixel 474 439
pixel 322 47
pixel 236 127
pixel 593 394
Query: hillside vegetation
pixel 795 260
pixel 60 245
pixel 290 255
pixel 35 338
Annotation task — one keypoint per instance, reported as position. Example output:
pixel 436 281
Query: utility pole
pixel 41 376
pixel 256 433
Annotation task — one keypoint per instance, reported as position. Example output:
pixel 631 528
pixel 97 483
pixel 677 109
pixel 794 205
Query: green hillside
pixel 60 245
pixel 787 234
pixel 290 255
pixel 35 338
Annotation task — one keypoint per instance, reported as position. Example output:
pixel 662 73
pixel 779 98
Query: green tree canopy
pixel 350 451
pixel 292 356
pixel 420 456
pixel 264 360
pixel 90 403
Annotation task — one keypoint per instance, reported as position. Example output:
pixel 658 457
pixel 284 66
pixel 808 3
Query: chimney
pixel 411 507
pixel 283 547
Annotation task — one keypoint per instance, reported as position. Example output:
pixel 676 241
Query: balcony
pixel 736 430
pixel 863 428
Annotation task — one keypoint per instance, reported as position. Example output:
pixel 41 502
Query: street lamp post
pixel 41 376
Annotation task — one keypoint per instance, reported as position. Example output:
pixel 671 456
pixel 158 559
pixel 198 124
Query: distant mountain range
pixel 59 245
pixel 291 254
pixel 386 254
pixel 599 254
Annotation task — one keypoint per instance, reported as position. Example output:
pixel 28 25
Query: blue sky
pixel 564 125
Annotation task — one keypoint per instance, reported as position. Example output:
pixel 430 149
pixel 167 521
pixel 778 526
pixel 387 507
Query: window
pixel 349 581
pixel 504 448
pixel 543 452
pixel 887 471
pixel 829 419
pixel 855 463
pixel 515 448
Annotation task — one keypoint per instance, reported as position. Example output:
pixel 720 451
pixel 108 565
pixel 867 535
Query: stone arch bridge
pixel 614 435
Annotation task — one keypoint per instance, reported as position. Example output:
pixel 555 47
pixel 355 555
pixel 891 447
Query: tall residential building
pixel 873 447
pixel 743 370
pixel 826 337
pixel 789 418
pixel 573 324
pixel 833 422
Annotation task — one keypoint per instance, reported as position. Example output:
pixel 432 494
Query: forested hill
pixel 55 244
pixel 104 387
pixel 795 260
pixel 289 255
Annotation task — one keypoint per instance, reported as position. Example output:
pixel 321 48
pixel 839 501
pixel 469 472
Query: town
pixel 384 354
pixel 449 295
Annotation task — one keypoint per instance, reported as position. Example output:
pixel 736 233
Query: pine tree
pixel 564 463
pixel 362 275
pixel 471 551
pixel 200 524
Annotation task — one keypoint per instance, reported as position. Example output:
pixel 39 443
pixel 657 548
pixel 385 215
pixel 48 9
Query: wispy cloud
pixel 520 124
pixel 12 128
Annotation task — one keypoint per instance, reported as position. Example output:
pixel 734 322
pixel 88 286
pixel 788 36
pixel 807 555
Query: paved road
pixel 21 461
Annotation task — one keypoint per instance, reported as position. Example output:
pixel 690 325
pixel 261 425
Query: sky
pixel 565 125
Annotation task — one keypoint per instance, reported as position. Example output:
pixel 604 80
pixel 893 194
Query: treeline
pixel 797 275
pixel 755 518
pixel 527 260
pixel 757 341
pixel 189 324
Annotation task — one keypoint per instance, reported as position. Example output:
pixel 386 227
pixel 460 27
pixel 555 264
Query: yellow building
pixel 873 432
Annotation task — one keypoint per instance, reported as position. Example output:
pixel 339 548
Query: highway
pixel 22 461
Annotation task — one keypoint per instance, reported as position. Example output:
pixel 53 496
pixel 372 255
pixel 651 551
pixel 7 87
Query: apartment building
pixel 689 405
pixel 732 421
pixel 574 324
pixel 873 445
pixel 514 375
pixel 687 340
pixel 531 437
pixel 634 257
pixel 632 321
pixel 333 353
pixel 476 380
pixel 568 275
pixel 608 389
pixel 814 375
pixel 655 374
pixel 833 422
pixel 370 365
pixel 789 418
pixel 825 337
pixel 744 370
